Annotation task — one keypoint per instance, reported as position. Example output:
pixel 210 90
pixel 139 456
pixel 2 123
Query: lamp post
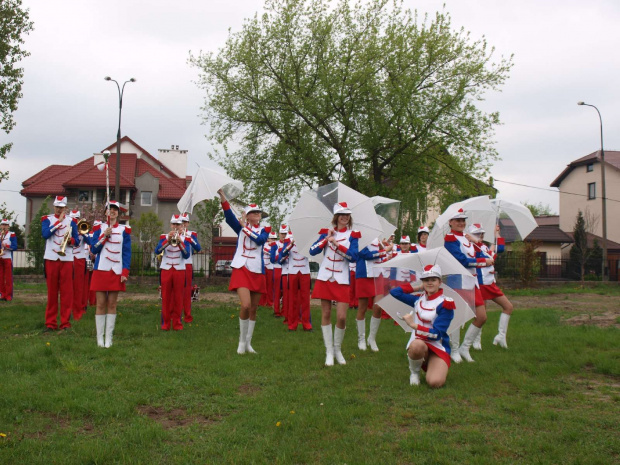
pixel 117 188
pixel 603 192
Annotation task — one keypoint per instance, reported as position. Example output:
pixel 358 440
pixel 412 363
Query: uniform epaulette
pixel 43 218
pixel 448 303
pixel 128 229
pixel 450 238
pixel 163 236
pixel 324 231
pixel 74 220
pixel 97 227
pixel 356 234
pixel 267 229
pixel 414 248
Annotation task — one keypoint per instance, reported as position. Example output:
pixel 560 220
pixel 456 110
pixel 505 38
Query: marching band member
pixel 90 297
pixel 8 244
pixel 423 233
pixel 429 345
pixel 79 271
pixel 56 229
pixel 192 238
pixel 463 250
pixel 298 285
pixel 339 246
pixel 402 276
pixel 248 276
pixel 369 283
pixel 175 248
pixel 266 299
pixel 488 284
pixel 278 309
pixel 111 244
pixel 284 273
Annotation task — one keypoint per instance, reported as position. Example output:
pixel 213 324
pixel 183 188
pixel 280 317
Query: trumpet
pixel 83 227
pixel 173 242
pixel 65 241
pixel 1 243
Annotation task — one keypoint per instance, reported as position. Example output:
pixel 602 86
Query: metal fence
pixel 513 266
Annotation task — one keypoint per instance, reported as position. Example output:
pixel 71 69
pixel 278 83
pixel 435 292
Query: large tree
pixel 14 25
pixel 314 91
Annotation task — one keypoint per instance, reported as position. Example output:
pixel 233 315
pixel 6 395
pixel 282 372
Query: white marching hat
pixel 424 229
pixel 405 240
pixel 272 235
pixel 252 208
pixel 5 221
pixel 74 214
pixel 185 217
pixel 283 229
pixel 176 219
pixel 114 203
pixel 475 229
pixel 431 271
pixel 60 201
pixel 341 209
pixel 459 215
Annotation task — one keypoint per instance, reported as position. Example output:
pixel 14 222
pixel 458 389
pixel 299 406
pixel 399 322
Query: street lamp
pixel 117 188
pixel 604 194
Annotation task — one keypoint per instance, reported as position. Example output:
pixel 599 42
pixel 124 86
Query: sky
pixel 565 51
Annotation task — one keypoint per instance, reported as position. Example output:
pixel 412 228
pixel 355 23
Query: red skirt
pixel 244 278
pixel 490 291
pixel 331 290
pixel 368 287
pixel 479 300
pixel 442 354
pixel 106 281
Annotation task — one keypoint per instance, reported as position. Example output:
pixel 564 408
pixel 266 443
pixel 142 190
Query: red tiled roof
pixel 612 158
pixel 112 148
pixel 169 188
pixel 46 182
pixel 90 176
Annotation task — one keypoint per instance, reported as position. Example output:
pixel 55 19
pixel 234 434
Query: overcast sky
pixel 564 51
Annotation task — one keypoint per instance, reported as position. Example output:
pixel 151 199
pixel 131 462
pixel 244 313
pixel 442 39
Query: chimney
pixel 174 159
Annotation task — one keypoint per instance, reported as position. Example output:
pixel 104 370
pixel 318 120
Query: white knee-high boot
pixel 500 339
pixel 248 337
pixel 414 368
pixel 100 325
pixel 361 334
pixel 477 345
pixel 454 346
pixel 374 327
pixel 328 339
pixel 468 340
pixel 110 321
pixel 338 337
pixel 243 331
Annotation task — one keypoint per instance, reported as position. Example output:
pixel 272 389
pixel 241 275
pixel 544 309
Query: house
pixel 148 183
pixel 580 189
pixel 553 241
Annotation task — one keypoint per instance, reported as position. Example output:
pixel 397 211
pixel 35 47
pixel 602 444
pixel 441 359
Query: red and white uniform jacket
pixel 267 256
pixel 464 251
pixel 80 251
pixel 115 252
pixel 174 256
pixel 9 244
pixel 335 264
pixel 486 274
pixel 53 232
pixel 297 263
pixel 192 238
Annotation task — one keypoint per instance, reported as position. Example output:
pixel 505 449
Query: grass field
pixel 187 397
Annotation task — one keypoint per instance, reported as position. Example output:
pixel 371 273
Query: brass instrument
pixel 174 241
pixel 83 227
pixel 1 243
pixel 65 240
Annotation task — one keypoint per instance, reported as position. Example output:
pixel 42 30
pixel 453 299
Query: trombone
pixel 84 227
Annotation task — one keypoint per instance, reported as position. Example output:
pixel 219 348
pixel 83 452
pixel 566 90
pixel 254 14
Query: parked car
pixel 223 268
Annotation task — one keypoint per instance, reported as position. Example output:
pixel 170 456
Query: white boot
pixel 338 337
pixel 414 367
pixel 374 327
pixel 500 339
pixel 454 346
pixel 328 339
pixel 100 324
pixel 248 337
pixel 468 340
pixel 243 331
pixel 477 345
pixel 110 321
pixel 361 334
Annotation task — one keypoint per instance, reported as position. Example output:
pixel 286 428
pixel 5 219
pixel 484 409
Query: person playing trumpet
pixel 111 244
pixel 175 248
pixel 60 234
pixel 192 238
pixel 79 271
pixel 8 243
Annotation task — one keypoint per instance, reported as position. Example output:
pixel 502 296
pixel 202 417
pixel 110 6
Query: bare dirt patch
pixel 248 389
pixel 177 417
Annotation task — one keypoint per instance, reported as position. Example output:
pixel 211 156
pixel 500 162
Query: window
pixel 590 167
pixel 146 199
pixel 83 196
pixel 591 190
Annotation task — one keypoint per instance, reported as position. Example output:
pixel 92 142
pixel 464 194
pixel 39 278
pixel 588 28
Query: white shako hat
pixel 405 240
pixel 60 201
pixel 459 215
pixel 431 271
pixel 185 217
pixel 74 214
pixel 341 209
pixel 273 235
pixel 252 208
pixel 176 219
pixel 475 229
pixel 423 229
pixel 5 221
pixel 283 229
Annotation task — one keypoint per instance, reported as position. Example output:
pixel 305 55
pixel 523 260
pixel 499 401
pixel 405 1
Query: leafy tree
pixel 208 215
pixel 583 259
pixel 146 232
pixel 36 243
pixel 539 209
pixel 5 212
pixel 14 24
pixel 366 93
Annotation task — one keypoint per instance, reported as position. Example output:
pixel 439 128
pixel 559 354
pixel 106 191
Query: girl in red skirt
pixel 111 243
pixel 248 276
pixel 339 246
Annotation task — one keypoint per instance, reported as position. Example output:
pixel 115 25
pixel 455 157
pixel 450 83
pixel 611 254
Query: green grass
pixel 187 397
pixel 610 289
